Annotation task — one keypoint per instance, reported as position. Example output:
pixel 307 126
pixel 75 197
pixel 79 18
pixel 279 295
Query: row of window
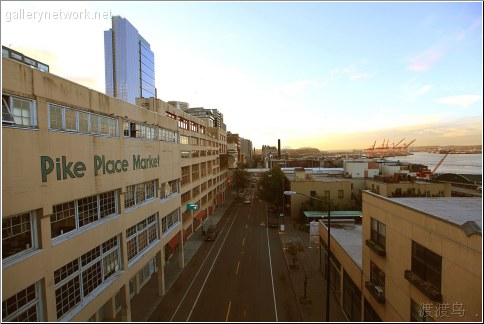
pixel 19 238
pixel 426 264
pixel 327 194
pixel 22 112
pixel 153 133
pixel 72 120
pixel 80 277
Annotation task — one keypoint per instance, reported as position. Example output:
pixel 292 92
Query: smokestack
pixel 279 148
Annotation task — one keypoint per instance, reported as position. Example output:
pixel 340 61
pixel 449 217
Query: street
pixel 241 276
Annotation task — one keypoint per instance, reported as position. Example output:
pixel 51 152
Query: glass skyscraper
pixel 129 62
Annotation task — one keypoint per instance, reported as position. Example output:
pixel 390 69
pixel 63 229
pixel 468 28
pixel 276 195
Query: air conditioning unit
pixel 379 291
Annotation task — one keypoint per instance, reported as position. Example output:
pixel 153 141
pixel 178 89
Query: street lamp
pixel 328 250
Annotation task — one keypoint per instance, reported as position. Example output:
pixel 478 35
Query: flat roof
pixel 349 237
pixel 334 214
pixel 464 212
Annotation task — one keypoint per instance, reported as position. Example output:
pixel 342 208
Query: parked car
pixel 247 200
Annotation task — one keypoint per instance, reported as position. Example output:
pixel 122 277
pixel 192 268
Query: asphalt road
pixel 239 277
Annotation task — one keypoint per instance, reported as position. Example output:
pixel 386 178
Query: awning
pixel 173 242
pixel 200 214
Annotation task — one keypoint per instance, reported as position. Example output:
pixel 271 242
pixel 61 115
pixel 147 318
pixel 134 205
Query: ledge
pixel 371 288
pixel 424 286
pixel 376 248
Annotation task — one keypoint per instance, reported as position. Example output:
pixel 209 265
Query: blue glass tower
pixel 129 62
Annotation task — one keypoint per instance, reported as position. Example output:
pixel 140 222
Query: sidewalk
pixel 315 310
pixel 147 300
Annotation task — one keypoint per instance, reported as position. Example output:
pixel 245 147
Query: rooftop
pixel 349 237
pixel 465 212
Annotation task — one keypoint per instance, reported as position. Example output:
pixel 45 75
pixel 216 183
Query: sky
pixel 329 75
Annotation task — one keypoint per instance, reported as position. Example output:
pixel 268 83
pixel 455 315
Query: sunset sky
pixel 330 75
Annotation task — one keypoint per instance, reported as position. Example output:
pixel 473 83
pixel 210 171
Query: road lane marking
pixel 243 241
pixel 225 216
pixel 246 226
pixel 228 312
pixel 211 267
pixel 238 264
pixel 270 265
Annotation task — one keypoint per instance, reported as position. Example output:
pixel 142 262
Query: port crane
pixel 440 162
pixel 428 174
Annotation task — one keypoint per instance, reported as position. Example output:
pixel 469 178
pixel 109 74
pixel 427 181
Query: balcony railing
pixel 376 291
pixel 424 286
pixel 375 247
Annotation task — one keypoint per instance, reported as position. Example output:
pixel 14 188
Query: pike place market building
pixel 96 195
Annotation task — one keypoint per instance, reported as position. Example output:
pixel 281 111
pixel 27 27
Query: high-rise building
pixel 129 62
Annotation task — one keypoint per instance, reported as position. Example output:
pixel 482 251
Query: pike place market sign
pixel 64 169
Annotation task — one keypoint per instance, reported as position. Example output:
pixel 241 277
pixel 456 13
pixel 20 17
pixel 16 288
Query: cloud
pixel 419 92
pixel 463 101
pixel 424 61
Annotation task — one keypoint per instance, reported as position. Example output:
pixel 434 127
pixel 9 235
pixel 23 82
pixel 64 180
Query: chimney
pixel 279 149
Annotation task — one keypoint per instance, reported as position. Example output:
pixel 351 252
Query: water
pixel 453 163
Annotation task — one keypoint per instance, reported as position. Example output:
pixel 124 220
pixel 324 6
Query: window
pixel 351 299
pixel 25 306
pixel 75 214
pixel 140 236
pixel 378 233
pixel 139 193
pixel 84 122
pixel 71 119
pixel 377 276
pixel 18 111
pixel 341 194
pixel 427 265
pixel 195 172
pixel 376 286
pixel 369 313
pixel 327 194
pixel 168 188
pixel 19 234
pixel 78 278
pixel 184 139
pixel 170 221
pixel 185 172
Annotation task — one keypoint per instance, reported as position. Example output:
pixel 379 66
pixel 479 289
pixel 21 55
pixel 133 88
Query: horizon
pixel 341 74
pixel 362 149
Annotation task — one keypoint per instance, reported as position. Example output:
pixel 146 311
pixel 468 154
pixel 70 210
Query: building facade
pixel 95 195
pixel 411 259
pixel 129 62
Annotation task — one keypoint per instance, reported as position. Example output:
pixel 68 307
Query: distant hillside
pixel 303 151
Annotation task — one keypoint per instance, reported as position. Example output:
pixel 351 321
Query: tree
pixel 272 185
pixel 241 178
pixel 294 248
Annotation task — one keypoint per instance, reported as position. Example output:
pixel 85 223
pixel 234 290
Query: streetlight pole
pixel 328 252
